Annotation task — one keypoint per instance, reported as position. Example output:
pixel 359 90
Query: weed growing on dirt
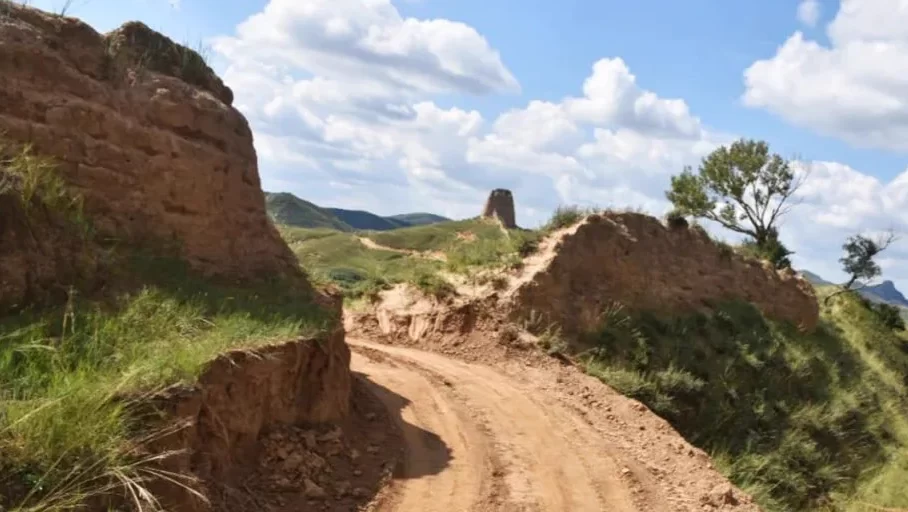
pixel 65 426
pixel 36 182
pixel 565 216
pixel 796 419
pixel 430 283
pixel 676 220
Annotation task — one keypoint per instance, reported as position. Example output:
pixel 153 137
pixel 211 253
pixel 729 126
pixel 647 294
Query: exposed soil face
pixel 218 424
pixel 340 467
pixel 635 260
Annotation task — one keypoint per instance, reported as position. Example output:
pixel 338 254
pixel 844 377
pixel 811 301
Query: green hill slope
pixel 359 219
pixel 286 208
pixel 418 219
pixel 802 421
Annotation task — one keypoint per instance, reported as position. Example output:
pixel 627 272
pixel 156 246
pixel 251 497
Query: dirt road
pixel 478 439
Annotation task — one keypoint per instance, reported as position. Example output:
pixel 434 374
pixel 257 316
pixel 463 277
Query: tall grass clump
pixel 802 421
pixel 36 183
pixel 565 216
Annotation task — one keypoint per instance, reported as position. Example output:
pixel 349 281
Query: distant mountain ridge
pixel 286 208
pixel 884 292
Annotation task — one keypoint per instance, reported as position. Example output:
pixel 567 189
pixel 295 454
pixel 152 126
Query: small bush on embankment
pixel 801 421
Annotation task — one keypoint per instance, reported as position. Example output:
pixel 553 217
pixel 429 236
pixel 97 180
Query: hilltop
pixel 885 292
pixel 289 210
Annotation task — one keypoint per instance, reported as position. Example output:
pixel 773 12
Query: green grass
pixel 66 424
pixel 340 258
pixel 802 421
pixel 287 209
pixel 468 244
pixel 437 237
pixel 36 183
pixel 565 216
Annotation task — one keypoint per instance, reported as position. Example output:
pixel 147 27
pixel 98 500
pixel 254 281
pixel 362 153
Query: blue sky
pixel 397 105
pixel 694 50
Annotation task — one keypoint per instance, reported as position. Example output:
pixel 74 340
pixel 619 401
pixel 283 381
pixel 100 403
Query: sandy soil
pixel 478 438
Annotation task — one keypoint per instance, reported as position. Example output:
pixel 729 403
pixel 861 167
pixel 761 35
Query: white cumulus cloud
pixel 854 88
pixel 809 12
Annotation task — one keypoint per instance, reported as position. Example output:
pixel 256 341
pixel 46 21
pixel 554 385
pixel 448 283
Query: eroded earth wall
pixel 144 130
pixel 635 260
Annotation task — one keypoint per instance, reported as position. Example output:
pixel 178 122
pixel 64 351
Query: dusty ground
pixel 478 438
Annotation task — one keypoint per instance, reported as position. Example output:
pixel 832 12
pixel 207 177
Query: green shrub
pixel 676 220
pixel 772 250
pixel 432 284
pixel 565 216
pixel 887 314
pixel 726 251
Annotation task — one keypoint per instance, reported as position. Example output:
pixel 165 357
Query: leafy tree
pixel 742 187
pixel 859 262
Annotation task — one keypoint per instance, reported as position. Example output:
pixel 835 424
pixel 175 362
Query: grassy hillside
pixel 340 258
pixel 359 219
pixel 418 219
pixel 802 421
pixel 289 210
pixel 456 246
pixel 286 208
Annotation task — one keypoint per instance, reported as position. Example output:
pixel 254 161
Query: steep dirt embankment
pixel 218 421
pixel 635 260
pixel 145 132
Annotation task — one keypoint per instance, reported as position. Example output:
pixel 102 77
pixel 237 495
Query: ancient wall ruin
pixel 635 260
pixel 145 132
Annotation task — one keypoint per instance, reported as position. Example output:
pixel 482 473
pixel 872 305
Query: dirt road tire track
pixel 503 446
